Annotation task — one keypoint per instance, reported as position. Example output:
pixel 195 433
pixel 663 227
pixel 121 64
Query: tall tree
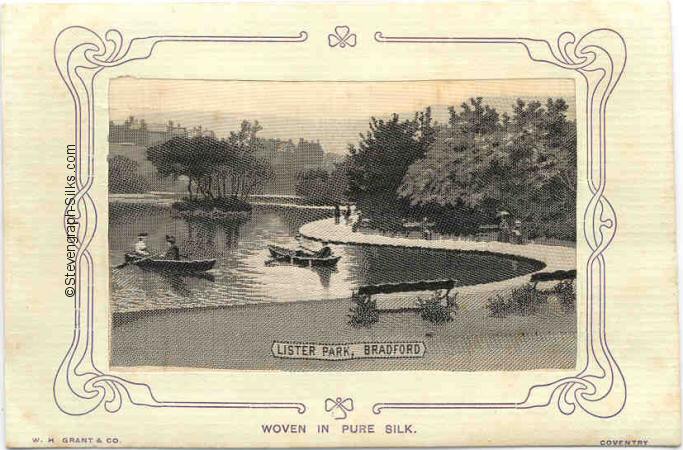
pixel 474 117
pixel 377 164
pixel 194 158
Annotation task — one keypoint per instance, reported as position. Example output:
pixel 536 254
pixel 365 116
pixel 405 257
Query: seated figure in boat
pixel 173 252
pixel 141 246
pixel 324 252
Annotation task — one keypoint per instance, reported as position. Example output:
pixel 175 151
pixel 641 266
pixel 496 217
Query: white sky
pixel 333 112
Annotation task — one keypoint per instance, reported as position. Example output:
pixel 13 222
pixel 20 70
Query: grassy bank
pixel 240 337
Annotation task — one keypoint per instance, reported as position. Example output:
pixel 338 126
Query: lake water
pixel 242 274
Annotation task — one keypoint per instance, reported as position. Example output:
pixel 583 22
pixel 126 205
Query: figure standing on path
pixel 504 227
pixel 426 231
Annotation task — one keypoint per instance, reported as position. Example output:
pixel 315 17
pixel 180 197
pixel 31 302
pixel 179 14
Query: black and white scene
pixel 343 226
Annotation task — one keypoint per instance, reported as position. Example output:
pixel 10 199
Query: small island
pixel 221 173
pixel 329 222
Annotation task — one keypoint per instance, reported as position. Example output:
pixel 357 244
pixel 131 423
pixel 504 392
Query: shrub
pixel 499 306
pixel 434 311
pixel 124 177
pixel 364 312
pixel 522 300
pixel 566 293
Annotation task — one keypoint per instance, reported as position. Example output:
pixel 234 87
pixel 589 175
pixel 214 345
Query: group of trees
pixel 320 187
pixel 460 173
pixel 215 168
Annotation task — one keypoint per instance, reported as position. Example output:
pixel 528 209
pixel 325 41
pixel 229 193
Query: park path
pixel 554 257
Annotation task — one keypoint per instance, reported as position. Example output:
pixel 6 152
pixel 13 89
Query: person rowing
pixel 173 253
pixel 325 251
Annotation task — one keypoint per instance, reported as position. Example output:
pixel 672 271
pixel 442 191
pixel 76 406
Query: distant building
pixel 132 137
pixel 138 131
pixel 308 155
pixel 200 132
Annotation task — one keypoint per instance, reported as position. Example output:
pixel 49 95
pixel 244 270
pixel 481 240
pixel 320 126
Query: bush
pixel 522 300
pixel 564 229
pixel 566 293
pixel 434 311
pixel 364 313
pixel 320 188
pixel 232 204
pixel 124 177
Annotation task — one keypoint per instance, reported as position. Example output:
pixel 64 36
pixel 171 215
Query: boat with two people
pixel 170 262
pixel 304 256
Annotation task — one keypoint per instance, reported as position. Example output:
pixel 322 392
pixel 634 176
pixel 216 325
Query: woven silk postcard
pixel 339 224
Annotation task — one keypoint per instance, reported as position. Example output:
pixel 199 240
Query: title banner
pixel 342 352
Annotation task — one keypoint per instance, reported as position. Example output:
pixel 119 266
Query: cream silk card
pixel 339 224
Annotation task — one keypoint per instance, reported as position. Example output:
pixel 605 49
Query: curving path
pixel 554 257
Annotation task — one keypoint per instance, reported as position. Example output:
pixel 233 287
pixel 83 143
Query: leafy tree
pixel 323 188
pixel 525 163
pixel 124 177
pixel 312 183
pixel 215 168
pixel 449 174
pixel 475 118
pixel 241 172
pixel 381 158
pixel 194 157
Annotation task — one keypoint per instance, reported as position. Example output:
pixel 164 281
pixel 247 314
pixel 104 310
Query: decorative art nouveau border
pixel 599 57
pixel 599 388
pixel 80 55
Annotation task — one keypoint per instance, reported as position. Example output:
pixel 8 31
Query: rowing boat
pixel 171 265
pixel 301 256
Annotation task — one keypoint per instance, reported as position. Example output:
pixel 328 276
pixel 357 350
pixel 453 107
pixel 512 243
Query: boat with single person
pixel 170 265
pixel 302 256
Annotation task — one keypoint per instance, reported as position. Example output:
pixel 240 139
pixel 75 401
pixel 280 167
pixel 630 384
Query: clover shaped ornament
pixel 341 37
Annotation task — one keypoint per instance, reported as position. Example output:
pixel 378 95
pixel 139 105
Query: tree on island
pixel 241 173
pixel 215 168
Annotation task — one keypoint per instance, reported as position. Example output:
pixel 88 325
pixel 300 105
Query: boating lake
pixel 243 276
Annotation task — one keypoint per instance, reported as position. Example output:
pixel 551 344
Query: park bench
pixel 389 302
pixel 425 228
pixel 558 275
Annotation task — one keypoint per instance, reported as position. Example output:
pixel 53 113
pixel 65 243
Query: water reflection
pixel 241 274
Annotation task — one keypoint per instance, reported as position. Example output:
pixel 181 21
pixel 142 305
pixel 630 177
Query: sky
pixel 332 112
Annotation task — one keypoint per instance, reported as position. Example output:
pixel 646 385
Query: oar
pixel 122 265
pixel 133 262
pixel 310 250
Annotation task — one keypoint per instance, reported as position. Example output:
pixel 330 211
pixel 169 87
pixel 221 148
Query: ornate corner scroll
pixel 599 56
pixel 80 55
